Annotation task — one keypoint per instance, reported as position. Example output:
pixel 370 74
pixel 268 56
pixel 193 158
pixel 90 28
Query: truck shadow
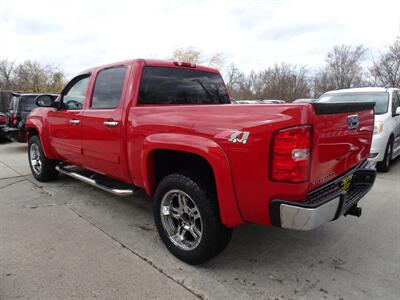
pixel 251 245
pixel 258 258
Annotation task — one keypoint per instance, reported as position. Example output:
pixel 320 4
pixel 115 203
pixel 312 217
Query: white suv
pixel 386 140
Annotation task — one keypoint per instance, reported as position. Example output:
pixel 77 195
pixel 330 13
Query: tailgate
pixel 342 139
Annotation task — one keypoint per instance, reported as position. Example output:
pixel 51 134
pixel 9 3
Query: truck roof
pixel 155 63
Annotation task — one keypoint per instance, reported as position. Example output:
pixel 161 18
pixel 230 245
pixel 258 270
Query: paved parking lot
pixel 67 240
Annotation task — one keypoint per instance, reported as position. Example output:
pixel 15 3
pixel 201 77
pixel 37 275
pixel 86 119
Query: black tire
pixel 47 171
pixel 215 236
pixel 384 166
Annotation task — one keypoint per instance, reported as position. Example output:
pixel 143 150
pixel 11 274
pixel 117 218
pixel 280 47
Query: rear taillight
pixel 14 120
pixel 291 154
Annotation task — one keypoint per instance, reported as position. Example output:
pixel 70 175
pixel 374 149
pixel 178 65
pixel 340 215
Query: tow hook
pixel 354 211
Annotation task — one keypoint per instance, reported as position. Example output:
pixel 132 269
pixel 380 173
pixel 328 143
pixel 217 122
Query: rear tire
pixel 384 166
pixel 198 216
pixel 43 169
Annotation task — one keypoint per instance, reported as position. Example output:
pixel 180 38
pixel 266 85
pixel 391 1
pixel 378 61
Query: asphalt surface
pixel 67 240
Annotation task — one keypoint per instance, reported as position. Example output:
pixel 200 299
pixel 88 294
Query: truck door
pixel 64 124
pixel 102 124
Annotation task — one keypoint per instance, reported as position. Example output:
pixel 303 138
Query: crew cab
pixel 170 128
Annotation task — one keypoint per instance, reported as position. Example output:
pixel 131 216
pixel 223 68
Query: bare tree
pixel 30 76
pixel 216 60
pixel 7 72
pixel 193 55
pixel 189 54
pixel 321 83
pixel 386 70
pixel 344 65
pixel 239 85
pixel 284 81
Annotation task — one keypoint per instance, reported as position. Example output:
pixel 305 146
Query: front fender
pixel 37 125
pixel 207 149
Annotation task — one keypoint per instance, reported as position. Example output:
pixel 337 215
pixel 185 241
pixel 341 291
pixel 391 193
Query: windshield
pixel 381 99
pixel 162 85
pixel 28 103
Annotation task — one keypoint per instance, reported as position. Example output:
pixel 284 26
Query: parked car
pixel 248 101
pixel 386 139
pixel 2 124
pixel 20 106
pixel 304 100
pixel 273 101
pixel 209 165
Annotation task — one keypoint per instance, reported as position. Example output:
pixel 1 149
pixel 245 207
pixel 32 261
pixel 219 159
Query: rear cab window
pixel 169 85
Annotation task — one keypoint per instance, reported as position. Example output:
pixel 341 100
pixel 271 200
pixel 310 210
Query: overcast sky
pixel 76 35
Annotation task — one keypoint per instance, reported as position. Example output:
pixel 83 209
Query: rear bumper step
pixel 326 203
pixel 122 192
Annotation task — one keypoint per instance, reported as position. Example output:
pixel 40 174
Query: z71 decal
pixel 239 137
pixel 234 136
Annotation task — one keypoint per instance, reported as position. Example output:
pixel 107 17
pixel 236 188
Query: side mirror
pixel 397 113
pixel 44 100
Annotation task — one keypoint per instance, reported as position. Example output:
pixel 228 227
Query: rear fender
pixel 205 148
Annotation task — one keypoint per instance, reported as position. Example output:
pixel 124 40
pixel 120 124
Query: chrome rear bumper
pixel 326 203
pixel 302 218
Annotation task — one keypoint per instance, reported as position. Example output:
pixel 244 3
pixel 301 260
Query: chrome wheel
pixel 35 159
pixel 181 219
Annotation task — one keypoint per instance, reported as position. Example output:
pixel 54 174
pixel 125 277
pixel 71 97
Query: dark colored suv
pixel 20 106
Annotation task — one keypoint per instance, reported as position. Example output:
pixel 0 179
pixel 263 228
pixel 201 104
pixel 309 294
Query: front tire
pixel 383 166
pixel 43 169
pixel 187 218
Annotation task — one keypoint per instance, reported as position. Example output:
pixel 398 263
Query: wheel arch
pixel 35 127
pixel 195 150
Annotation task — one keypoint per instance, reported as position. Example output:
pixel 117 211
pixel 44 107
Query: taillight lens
pixel 291 154
pixel 14 120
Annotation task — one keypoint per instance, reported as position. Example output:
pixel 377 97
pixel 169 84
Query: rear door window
pixel 166 85
pixel 108 88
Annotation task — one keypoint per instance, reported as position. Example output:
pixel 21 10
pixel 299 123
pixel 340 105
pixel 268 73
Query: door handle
pixel 110 123
pixel 74 122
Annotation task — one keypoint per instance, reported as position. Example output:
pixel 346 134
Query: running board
pixel 122 192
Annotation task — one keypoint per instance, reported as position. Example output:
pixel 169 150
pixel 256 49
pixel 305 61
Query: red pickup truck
pixel 209 165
